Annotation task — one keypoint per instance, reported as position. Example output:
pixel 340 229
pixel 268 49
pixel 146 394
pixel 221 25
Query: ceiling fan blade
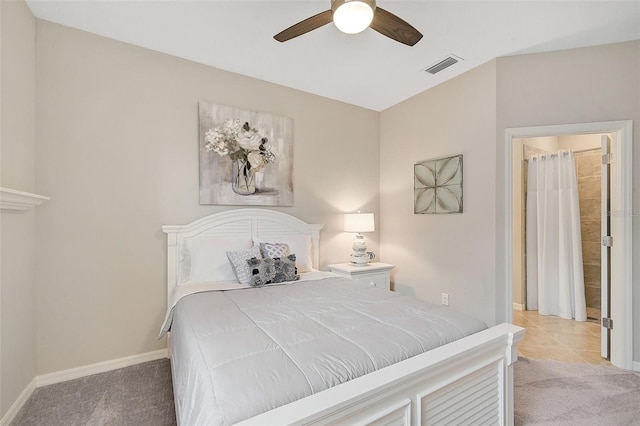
pixel 388 24
pixel 303 27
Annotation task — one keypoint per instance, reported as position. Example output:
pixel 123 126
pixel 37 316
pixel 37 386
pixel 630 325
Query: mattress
pixel 239 353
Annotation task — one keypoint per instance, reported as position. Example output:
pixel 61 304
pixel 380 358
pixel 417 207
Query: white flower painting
pixel 245 157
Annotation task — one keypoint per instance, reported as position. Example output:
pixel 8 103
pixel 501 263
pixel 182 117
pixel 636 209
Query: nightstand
pixel 377 274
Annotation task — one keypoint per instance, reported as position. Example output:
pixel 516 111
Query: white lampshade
pixel 359 222
pixel 352 16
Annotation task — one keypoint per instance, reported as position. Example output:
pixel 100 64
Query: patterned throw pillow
pixel 272 270
pixel 301 245
pixel 274 250
pixel 238 261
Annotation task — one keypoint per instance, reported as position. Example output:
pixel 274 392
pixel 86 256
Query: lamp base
pixel 361 259
pixel 360 255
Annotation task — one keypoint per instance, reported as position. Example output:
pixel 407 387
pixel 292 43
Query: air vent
pixel 442 64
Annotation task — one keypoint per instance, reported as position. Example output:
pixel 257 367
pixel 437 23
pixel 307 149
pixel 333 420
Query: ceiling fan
pixel 354 16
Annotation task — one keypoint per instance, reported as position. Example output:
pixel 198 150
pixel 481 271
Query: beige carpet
pixel 546 393
pixel 563 394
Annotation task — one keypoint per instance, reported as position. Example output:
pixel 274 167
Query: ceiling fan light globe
pixel 352 17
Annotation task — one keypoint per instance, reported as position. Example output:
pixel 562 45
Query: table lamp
pixel 359 223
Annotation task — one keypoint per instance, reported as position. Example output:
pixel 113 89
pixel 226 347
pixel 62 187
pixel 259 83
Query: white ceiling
pixel 365 69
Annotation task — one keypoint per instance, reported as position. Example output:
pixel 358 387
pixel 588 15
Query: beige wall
pixel 591 84
pixel 117 151
pixel 580 142
pixel 17 230
pixel 572 86
pixel 447 253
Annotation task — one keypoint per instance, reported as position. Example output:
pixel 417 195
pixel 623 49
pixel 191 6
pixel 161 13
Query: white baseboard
pixel 518 306
pixel 101 367
pixel 18 404
pixel 75 373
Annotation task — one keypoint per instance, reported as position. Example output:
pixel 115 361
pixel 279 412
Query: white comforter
pixel 240 353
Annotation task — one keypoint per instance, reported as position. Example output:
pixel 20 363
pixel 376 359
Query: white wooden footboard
pixel 469 382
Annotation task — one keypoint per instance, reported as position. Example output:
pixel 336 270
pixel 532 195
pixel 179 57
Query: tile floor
pixel 551 337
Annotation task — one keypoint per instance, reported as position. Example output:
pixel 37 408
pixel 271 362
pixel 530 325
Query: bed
pixel 321 349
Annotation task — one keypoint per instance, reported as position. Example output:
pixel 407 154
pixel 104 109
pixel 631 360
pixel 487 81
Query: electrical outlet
pixel 445 299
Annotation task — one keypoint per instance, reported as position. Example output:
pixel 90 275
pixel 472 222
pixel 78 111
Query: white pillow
pixel 300 245
pixel 205 259
pixel 239 263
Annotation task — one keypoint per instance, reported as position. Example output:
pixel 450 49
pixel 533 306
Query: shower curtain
pixel 555 277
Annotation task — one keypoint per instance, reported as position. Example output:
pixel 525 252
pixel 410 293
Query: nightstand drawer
pixel 375 280
pixel 375 274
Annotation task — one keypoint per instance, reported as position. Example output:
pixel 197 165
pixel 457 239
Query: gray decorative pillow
pixel 238 261
pixel 274 250
pixel 272 270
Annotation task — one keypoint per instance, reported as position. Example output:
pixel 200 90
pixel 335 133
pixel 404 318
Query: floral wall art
pixel 438 186
pixel 245 157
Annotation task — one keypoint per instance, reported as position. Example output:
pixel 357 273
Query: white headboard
pixel 242 223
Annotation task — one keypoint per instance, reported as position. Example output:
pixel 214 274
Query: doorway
pixel 620 215
pixel 570 330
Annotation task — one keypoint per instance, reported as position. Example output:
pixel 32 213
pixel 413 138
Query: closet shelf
pixel 12 199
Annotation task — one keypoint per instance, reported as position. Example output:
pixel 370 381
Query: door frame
pixel 621 224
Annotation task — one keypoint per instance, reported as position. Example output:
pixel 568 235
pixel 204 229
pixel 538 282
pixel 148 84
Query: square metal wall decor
pixel 246 157
pixel 437 186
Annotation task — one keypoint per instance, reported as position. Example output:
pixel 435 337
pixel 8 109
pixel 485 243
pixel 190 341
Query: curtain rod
pixel 575 152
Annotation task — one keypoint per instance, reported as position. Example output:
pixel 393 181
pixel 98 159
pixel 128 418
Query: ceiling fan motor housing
pixel 352 16
pixel 335 4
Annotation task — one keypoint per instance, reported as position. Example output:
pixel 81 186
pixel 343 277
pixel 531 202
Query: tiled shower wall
pixel 588 170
